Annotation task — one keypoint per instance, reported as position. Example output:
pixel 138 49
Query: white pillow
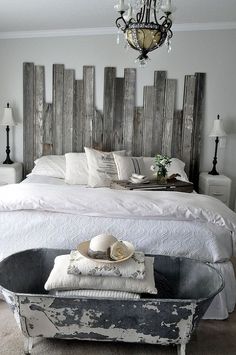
pixel 50 165
pixel 101 166
pixel 126 166
pixel 76 168
pixel 59 279
pixel 176 167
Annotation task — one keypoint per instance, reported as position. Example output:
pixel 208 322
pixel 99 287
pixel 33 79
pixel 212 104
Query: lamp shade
pixel 8 119
pixel 217 130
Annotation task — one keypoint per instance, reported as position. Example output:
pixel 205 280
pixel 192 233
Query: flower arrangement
pixel 160 167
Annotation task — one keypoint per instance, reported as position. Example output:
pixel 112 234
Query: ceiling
pixel 38 15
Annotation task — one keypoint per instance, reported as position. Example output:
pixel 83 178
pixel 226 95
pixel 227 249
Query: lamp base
pixel 213 172
pixel 8 161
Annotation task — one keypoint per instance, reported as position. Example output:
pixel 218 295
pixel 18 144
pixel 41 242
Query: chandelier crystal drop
pixel 146 25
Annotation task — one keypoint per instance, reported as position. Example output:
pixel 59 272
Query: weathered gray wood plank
pixel 138 132
pixel 198 113
pixel 188 107
pixel 39 99
pixel 160 85
pixel 47 130
pixel 68 110
pixel 108 106
pixel 129 107
pixel 148 118
pixel 89 103
pixel 58 104
pixel 28 117
pixel 170 95
pixel 176 147
pixel 98 131
pixel 78 136
pixel 118 142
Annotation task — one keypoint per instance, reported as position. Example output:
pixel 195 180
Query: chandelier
pixel 146 25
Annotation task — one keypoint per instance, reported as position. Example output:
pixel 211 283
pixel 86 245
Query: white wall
pixel 212 52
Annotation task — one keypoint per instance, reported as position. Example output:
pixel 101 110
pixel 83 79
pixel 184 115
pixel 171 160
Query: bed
pixel 45 212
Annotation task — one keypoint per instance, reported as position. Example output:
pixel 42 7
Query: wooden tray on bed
pixel 177 185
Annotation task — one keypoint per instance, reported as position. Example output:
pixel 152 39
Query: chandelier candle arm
pixel 143 30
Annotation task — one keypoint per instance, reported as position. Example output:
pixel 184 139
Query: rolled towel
pixel 59 279
pixel 96 294
pixel 133 268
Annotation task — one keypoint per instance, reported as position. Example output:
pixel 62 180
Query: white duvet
pixel 104 202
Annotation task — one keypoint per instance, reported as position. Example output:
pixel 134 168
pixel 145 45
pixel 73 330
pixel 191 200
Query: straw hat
pixel 106 248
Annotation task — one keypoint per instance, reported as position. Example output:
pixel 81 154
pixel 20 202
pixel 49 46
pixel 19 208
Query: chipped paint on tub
pixel 149 322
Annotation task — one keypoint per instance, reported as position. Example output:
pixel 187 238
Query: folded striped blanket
pixel 97 294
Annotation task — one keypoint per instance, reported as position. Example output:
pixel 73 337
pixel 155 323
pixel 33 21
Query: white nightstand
pixel 218 186
pixel 11 173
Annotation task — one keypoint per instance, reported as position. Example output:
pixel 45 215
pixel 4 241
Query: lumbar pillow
pixel 50 165
pixel 127 166
pixel 76 169
pixel 176 167
pixel 101 166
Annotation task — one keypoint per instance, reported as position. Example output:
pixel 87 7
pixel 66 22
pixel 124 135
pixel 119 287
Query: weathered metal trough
pixel 148 320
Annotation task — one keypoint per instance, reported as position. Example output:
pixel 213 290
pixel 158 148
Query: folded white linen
pixel 133 268
pixel 59 279
pixel 96 294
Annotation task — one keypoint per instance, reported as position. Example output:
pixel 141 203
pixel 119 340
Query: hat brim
pixel 84 246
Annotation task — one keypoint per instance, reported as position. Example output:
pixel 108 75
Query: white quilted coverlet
pixel 122 204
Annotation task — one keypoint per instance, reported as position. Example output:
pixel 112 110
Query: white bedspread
pixel 104 202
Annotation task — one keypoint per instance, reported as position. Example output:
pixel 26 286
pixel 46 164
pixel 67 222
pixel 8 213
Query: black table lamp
pixel 217 132
pixel 7 121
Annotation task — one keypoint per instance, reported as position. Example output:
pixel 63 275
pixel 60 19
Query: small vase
pixel 161 179
pixel 162 175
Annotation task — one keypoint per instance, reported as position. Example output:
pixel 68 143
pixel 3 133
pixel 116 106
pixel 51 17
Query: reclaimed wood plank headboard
pixel 72 121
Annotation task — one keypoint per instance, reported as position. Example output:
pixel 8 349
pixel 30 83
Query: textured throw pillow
pixel 126 166
pixel 176 167
pixel 59 279
pixel 76 168
pixel 50 165
pixel 101 166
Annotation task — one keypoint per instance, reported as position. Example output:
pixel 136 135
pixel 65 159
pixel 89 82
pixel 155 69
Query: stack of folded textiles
pixel 75 275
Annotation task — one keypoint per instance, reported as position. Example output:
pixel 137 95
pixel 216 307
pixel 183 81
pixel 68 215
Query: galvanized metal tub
pixel 148 320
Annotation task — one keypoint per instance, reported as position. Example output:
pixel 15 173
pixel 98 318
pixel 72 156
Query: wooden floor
pixel 211 338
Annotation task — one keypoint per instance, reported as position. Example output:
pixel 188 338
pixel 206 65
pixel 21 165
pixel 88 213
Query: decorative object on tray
pixel 170 185
pixel 217 132
pixel 138 179
pixel 8 120
pixel 106 248
pixel 161 162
